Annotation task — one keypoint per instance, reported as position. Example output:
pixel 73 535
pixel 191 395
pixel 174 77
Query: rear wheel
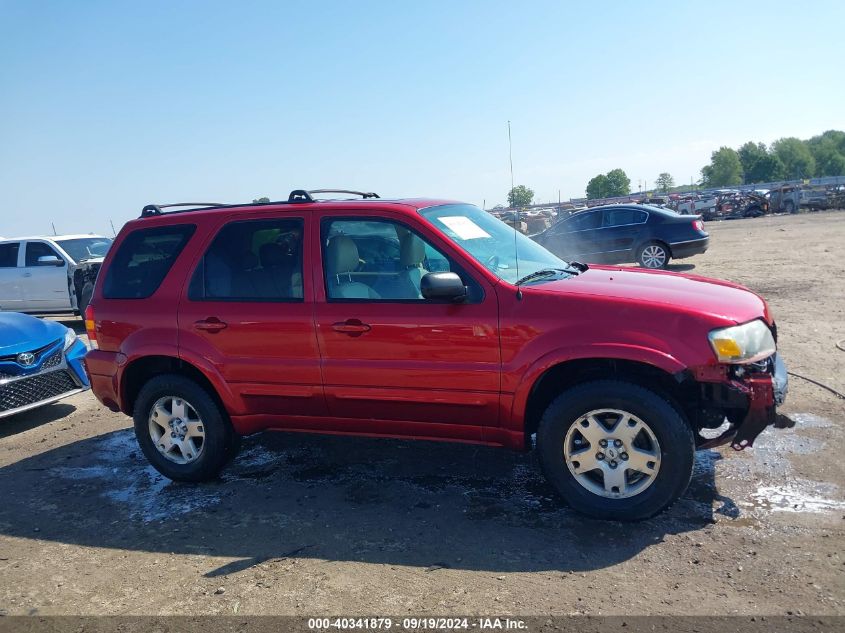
pixel 615 450
pixel 653 255
pixel 181 429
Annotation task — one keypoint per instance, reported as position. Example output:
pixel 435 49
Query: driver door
pixel 575 237
pixel 393 362
pixel 45 285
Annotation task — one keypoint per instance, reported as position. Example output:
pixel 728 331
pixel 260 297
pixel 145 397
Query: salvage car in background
pixel 40 363
pixel 43 275
pixel 616 234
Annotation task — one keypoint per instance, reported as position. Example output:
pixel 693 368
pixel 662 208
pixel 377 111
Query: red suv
pixel 423 319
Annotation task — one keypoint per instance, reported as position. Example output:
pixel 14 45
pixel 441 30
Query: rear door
pixel 45 273
pixel 249 310
pixel 11 279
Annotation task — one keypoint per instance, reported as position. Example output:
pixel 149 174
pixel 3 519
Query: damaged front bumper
pixel 749 395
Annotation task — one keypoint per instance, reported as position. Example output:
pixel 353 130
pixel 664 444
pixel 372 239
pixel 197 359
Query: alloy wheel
pixel 653 256
pixel 176 430
pixel 612 453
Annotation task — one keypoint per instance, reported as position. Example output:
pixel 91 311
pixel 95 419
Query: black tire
pixel 85 298
pixel 217 444
pixel 233 445
pixel 647 249
pixel 789 207
pixel 674 435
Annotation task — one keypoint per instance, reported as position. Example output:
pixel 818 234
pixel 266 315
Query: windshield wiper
pixel 545 272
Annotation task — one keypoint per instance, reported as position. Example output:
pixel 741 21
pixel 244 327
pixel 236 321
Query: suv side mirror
pixel 443 287
pixel 50 260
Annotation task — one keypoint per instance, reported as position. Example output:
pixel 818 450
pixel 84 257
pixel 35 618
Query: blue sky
pixel 108 105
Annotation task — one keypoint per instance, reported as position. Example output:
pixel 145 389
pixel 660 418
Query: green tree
pixel 263 199
pixel 618 183
pixel 758 164
pixel 724 169
pixel 664 182
pixel 795 155
pixel 598 187
pixel 828 151
pixel 520 196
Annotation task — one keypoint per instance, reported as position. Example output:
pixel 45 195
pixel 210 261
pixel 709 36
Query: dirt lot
pixel 308 525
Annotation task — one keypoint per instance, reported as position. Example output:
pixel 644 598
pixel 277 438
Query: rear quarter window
pixel 143 260
pixel 9 255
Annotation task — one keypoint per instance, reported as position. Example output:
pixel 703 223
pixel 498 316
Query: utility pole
pixel 510 158
pixel 515 228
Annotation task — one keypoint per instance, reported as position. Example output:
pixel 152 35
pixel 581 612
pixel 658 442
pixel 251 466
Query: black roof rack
pixel 301 195
pixel 297 196
pixel 156 209
pixel 364 194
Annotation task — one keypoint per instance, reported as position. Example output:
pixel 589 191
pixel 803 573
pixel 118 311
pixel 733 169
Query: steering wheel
pixel 492 262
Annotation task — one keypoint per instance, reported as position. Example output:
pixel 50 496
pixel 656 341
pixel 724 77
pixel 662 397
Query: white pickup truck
pixel 50 274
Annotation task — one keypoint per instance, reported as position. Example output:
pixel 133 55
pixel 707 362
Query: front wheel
pixel 85 298
pixel 615 450
pixel 653 255
pixel 181 429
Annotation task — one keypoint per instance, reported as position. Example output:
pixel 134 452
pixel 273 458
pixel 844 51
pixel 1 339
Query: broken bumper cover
pixel 762 392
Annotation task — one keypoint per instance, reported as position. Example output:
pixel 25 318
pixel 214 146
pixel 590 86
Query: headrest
pixel 341 255
pixel 248 260
pixel 272 255
pixel 411 250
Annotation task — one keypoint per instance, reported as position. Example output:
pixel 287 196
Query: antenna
pixel 53 224
pixel 513 197
pixel 112 228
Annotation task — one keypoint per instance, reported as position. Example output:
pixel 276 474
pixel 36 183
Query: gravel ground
pixel 309 525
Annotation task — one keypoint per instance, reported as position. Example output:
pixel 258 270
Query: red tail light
pixel 91 327
pixel 698 225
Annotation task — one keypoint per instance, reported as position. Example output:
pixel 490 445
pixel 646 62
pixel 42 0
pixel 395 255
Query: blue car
pixel 40 363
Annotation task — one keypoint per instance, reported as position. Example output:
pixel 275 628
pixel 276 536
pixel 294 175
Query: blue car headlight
pixel 70 338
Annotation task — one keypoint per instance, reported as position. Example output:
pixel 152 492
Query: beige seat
pixel 341 262
pixel 411 258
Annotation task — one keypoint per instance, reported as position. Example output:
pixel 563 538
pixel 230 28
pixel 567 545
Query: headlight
pixel 746 343
pixel 70 338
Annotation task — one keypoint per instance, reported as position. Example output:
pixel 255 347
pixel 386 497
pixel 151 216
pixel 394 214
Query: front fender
pixel 613 351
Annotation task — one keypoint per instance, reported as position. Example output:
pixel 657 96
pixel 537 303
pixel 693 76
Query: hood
pixel 690 293
pixel 90 260
pixel 22 333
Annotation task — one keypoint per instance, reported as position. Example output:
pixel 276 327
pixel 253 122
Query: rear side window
pixel 621 217
pixel 143 261
pixel 9 255
pixel 252 260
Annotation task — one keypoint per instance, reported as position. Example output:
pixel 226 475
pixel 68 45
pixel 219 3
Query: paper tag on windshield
pixel 463 227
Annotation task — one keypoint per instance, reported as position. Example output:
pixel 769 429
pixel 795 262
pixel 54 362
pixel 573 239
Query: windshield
pixel 85 247
pixel 491 242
